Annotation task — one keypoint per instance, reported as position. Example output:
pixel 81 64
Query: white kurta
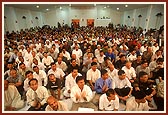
pixel 58 72
pixel 104 103
pixel 75 90
pixel 69 83
pixel 93 75
pixel 132 105
pixel 42 94
pixel 12 97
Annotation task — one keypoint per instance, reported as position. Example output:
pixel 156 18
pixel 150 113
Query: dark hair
pixel 120 72
pixel 139 94
pixel 52 63
pixel 93 63
pixel 144 61
pixel 122 55
pixel 21 63
pixel 103 71
pixel 34 80
pixel 74 68
pixel 106 58
pixel 35 67
pixel 78 78
pixel 110 91
pixel 72 60
pixel 27 72
pixel 160 60
pixel 142 73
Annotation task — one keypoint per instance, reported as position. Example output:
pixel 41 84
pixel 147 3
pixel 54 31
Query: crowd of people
pixel 94 67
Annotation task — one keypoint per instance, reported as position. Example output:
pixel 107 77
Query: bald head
pixel 53 102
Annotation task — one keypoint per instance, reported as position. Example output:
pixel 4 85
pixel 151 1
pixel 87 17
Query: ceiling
pixel 44 6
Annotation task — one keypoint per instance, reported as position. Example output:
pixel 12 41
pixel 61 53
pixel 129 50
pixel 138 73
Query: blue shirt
pixel 100 83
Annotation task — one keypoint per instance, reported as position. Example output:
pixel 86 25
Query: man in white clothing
pixel 70 81
pixel 123 86
pixel 109 101
pixel 36 96
pixel 81 95
pixel 40 75
pixel 112 71
pixel 55 105
pixel 129 71
pixel 92 75
pixel 57 72
pixel 61 64
pixel 137 102
pixel 12 98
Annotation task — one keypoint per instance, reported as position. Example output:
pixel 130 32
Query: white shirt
pixel 42 94
pixel 155 48
pixel 97 52
pixel 78 53
pixel 27 55
pixel 12 97
pixel 58 73
pixel 47 60
pixel 67 55
pixel 130 73
pixel 69 83
pixel 104 103
pixel 142 49
pixel 100 59
pixel 132 105
pixel 122 83
pixel 62 66
pixel 40 66
pixel 40 77
pixel 131 57
pixel 112 74
pixel 76 90
pixel 93 75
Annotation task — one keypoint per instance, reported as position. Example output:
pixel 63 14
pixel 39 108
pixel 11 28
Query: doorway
pixel 90 22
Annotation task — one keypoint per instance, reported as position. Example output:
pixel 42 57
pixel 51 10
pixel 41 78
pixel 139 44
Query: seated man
pixel 102 85
pixel 54 86
pixel 123 86
pixel 81 95
pixel 55 105
pixel 109 101
pixel 144 84
pixel 12 98
pixel 137 102
pixel 70 82
pixel 36 96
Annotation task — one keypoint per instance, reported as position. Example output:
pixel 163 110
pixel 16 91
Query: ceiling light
pixel 105 7
pixel 126 5
pixel 118 8
pixel 47 9
pixel 37 6
pixel 60 8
